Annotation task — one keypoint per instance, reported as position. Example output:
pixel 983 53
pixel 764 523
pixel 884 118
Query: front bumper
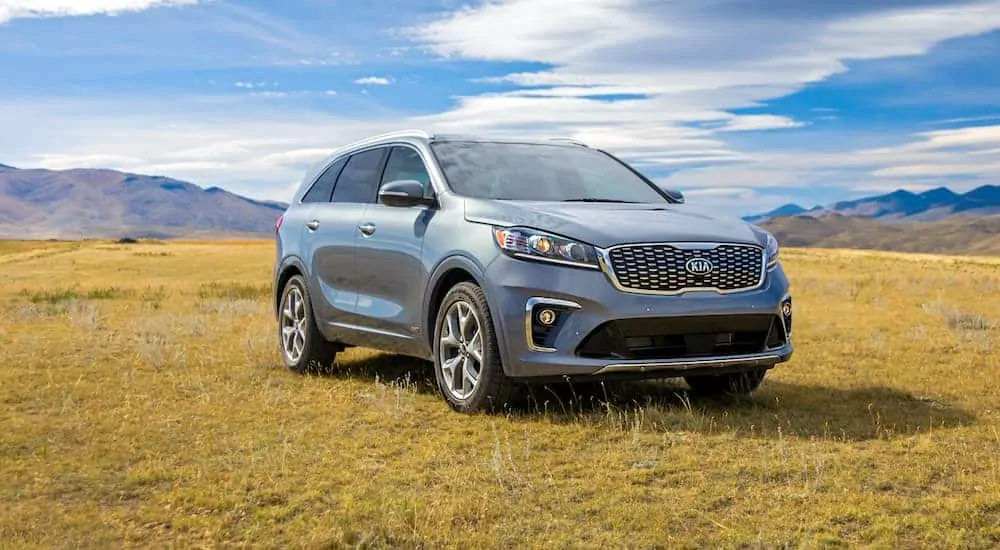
pixel 586 301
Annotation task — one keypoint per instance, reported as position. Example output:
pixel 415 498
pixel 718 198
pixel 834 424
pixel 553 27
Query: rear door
pixel 391 272
pixel 331 231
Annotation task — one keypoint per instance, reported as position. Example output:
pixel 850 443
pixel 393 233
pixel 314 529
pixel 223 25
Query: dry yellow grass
pixel 142 405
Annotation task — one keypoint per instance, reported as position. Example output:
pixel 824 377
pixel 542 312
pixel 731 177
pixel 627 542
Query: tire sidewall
pixel 300 365
pixel 461 292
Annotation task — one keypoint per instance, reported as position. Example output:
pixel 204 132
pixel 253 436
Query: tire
pixel 492 389
pixel 315 355
pixel 737 383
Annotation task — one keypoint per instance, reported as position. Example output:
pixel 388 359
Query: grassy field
pixel 143 405
pixel 972 235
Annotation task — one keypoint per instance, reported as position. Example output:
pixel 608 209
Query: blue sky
pixel 743 105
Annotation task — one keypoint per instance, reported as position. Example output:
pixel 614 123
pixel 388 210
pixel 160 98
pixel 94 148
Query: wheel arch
pixel 448 273
pixel 291 267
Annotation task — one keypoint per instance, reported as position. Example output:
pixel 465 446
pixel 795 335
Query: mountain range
pixel 975 235
pixel 901 205
pixel 97 203
pixel 100 203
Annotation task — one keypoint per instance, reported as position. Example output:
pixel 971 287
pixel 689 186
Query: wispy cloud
pixel 689 91
pixel 373 81
pixel 963 120
pixel 750 123
pixel 248 147
pixel 13 9
pixel 251 85
pixel 681 78
pixel 961 158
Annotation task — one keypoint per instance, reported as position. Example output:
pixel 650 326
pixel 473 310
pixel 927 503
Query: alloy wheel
pixel 460 353
pixel 293 325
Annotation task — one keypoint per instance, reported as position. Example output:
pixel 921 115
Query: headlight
pixel 772 251
pixel 538 245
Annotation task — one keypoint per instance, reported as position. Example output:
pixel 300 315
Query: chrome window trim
pixel 604 259
pixel 529 305
pixel 388 143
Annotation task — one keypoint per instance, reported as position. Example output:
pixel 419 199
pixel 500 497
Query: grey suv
pixel 513 261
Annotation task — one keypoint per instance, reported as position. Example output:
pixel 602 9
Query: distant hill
pixel 107 203
pixel 779 212
pixel 977 235
pixel 901 205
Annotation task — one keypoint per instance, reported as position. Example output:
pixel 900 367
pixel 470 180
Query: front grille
pixel 662 268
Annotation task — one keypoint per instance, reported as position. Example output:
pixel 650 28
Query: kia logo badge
pixel 699 266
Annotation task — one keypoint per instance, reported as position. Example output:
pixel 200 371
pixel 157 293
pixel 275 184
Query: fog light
pixel 786 309
pixel 546 317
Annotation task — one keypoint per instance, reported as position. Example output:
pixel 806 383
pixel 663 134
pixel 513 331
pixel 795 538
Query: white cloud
pixel 960 159
pixel 740 200
pixel 63 161
pixel 748 123
pixel 729 192
pixel 690 64
pixel 962 120
pixel 169 168
pixel 297 157
pixel 271 94
pixel 525 30
pixel 693 61
pixel 13 9
pixel 245 146
pixel 251 85
pixel 959 137
pixel 373 81
pixel 931 170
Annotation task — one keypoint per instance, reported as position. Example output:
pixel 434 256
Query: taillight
pixel 277 224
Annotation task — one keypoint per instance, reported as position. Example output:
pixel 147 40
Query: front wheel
pixel 467 361
pixel 736 383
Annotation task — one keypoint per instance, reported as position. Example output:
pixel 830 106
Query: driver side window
pixel 405 164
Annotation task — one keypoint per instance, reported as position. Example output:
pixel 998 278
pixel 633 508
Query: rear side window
pixel 323 188
pixel 359 180
pixel 405 164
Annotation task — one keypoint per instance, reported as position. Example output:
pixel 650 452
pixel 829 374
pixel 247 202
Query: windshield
pixel 539 172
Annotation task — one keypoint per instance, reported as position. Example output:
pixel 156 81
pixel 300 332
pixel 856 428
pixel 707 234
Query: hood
pixel 608 224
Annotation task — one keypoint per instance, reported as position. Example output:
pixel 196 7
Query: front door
pixel 391 271
pixel 331 235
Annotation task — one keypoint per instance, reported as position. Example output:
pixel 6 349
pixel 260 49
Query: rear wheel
pixel 736 383
pixel 467 361
pixel 303 347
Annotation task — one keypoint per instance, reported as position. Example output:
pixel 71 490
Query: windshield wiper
pixel 591 199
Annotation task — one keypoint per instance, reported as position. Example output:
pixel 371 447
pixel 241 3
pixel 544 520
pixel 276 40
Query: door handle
pixel 313 225
pixel 367 228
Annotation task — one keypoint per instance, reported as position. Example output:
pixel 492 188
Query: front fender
pixel 478 272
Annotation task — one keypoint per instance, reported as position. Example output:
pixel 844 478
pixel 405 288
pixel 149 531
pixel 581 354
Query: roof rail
pixel 570 140
pixel 419 134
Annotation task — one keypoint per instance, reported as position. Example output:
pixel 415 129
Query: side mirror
pixel 674 195
pixel 403 193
